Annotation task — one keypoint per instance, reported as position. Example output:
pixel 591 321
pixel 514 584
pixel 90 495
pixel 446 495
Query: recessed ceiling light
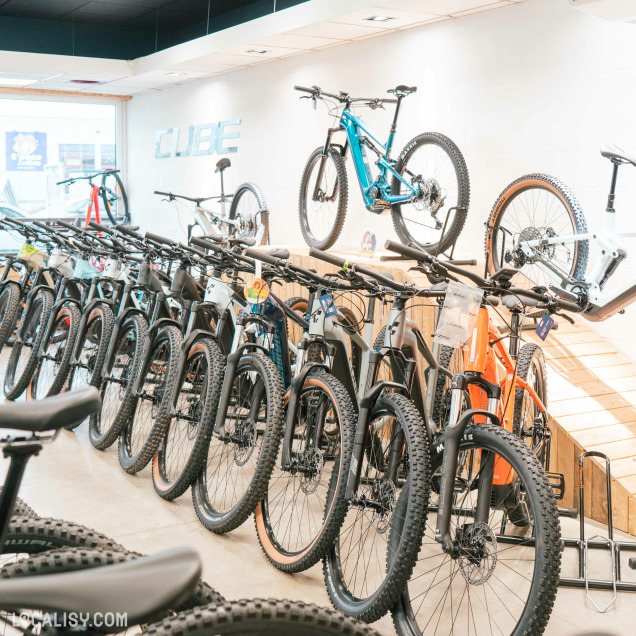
pixel 16 81
pixel 85 81
pixel 258 51
pixel 379 18
pixel 176 73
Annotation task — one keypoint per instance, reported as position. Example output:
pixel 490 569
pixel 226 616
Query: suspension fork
pixel 323 163
pixel 452 437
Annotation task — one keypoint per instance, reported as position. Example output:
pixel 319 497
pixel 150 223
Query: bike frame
pixel 602 304
pixel 357 141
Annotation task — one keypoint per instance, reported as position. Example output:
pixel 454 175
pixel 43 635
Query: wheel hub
pixel 518 258
pixel 385 495
pixel 313 463
pixel 476 552
pixel 244 439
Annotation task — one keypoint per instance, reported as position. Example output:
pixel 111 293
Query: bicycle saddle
pixel 222 164
pixel 612 151
pixel 141 589
pixel 403 90
pixel 51 413
pixel 517 301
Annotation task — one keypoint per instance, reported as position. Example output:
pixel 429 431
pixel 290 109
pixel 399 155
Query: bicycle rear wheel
pixel 502 577
pixel 249 208
pixel 528 421
pixel 536 206
pixel 321 220
pixel 364 573
pixel 434 220
pixel 115 199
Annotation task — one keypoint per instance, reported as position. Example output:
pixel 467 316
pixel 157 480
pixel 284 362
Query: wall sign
pixel 25 151
pixel 199 140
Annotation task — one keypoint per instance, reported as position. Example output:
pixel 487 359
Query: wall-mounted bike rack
pixel 583 545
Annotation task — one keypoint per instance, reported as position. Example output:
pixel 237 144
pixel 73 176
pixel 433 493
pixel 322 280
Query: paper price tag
pixel 458 315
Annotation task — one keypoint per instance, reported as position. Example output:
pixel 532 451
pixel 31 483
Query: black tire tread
pixel 9 322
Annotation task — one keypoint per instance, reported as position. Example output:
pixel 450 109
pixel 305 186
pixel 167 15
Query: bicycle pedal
pixel 379 206
pixel 557 482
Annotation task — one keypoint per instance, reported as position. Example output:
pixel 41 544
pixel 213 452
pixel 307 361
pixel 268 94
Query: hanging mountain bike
pixel 248 216
pixel 426 188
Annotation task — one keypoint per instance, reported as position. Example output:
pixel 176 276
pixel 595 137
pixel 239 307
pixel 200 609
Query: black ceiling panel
pixel 120 29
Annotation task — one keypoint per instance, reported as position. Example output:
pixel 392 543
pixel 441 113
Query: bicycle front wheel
pixel 323 199
pixel 434 219
pixel 535 207
pixel 365 573
pixel 502 575
pixel 296 522
pixel 250 210
pixel 55 354
pixel 24 353
pixel 195 401
pixel 239 463
pixel 9 310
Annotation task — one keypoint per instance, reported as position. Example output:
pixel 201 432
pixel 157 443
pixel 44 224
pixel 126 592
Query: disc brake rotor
pixel 476 546
pixel 313 463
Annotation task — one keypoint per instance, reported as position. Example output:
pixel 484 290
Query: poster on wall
pixel 25 151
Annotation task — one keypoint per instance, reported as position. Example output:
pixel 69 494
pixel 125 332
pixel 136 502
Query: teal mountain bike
pixel 426 188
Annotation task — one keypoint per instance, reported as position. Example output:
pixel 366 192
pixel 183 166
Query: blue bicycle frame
pixel 356 130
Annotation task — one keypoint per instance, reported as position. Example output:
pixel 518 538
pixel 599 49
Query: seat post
pixel 18 455
pixel 396 113
pixel 612 196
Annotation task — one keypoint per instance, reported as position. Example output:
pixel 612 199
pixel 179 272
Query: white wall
pixel 532 87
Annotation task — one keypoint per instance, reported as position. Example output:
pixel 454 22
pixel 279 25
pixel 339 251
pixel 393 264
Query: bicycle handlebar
pixel 317 93
pixel 206 245
pixel 344 264
pixel 171 196
pixel 87 177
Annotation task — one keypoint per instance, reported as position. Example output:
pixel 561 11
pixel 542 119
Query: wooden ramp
pixel 591 397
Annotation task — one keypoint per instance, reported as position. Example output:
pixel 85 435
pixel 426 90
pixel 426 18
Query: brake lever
pixel 562 315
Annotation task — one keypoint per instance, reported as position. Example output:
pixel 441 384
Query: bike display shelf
pixel 591 398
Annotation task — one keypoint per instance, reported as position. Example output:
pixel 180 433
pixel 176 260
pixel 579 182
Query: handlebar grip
pixel 124 229
pixel 303 89
pixel 163 194
pixel 155 238
pixel 100 227
pixel 409 252
pixel 328 258
pixel 566 305
pixel 259 255
pixel 70 226
pixel 206 245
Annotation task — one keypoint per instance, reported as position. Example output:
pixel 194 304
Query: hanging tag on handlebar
pixel 258 269
pixel 327 305
pixel 257 291
pixel 455 324
pixel 544 326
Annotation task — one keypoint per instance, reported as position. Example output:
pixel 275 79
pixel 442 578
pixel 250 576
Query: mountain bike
pixel 497 520
pixel 428 191
pixel 112 193
pixel 538 226
pixel 248 216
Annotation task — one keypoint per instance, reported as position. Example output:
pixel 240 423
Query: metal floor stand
pixel 583 545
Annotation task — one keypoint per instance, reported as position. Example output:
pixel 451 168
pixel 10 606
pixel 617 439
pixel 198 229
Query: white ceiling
pixel 307 27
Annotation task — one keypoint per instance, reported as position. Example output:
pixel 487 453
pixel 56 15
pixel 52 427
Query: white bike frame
pixel 602 304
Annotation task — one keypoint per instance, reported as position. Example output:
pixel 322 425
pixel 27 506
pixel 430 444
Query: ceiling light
pixel 176 74
pixel 258 51
pixel 85 81
pixel 16 81
pixel 379 18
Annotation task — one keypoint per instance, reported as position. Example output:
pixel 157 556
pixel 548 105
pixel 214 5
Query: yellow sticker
pixel 257 291
pixel 27 250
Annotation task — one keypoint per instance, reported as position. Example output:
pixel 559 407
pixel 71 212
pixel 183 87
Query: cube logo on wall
pixel 25 151
pixel 196 141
